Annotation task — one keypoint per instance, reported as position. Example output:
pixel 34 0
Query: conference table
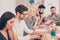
pixel 45 33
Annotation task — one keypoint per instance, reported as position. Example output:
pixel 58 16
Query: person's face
pixel 23 15
pixel 41 10
pixel 33 13
pixel 10 23
pixel 53 10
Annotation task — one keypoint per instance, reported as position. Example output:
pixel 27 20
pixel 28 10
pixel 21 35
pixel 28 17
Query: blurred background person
pixel 53 15
pixel 6 24
pixel 41 9
pixel 31 20
pixel 20 25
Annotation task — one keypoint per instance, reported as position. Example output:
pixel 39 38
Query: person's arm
pixel 29 37
pixel 0 37
pixel 41 18
pixel 12 35
pixel 29 25
pixel 16 31
pixel 26 29
pixel 45 19
pixel 36 23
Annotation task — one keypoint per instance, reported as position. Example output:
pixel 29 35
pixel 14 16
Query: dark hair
pixel 52 7
pixel 41 6
pixel 21 9
pixel 4 18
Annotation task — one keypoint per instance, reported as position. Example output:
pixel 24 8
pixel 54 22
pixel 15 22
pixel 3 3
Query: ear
pixel 18 13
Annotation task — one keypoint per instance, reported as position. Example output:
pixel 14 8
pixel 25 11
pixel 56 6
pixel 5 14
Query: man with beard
pixel 53 15
pixel 41 9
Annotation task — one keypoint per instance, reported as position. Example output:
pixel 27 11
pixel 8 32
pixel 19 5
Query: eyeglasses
pixel 24 14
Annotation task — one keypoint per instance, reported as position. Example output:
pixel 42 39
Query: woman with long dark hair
pixel 6 23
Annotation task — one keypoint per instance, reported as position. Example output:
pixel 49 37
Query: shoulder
pixel 58 15
pixel 22 22
pixel 1 35
pixel 48 15
pixel 27 20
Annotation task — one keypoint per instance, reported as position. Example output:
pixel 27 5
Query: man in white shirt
pixel 19 24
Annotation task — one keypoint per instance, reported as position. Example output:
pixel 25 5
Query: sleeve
pixel 26 37
pixel 19 33
pixel 23 26
pixel 58 17
pixel 16 30
pixel 26 29
pixel 0 37
pixel 48 17
pixel 30 26
pixel 45 19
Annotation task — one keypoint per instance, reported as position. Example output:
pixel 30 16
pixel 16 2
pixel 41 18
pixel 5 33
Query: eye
pixel 11 22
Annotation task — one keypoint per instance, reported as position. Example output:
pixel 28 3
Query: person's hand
pixel 34 36
pixel 36 27
pixel 42 16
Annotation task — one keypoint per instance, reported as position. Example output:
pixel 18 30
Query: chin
pixel 23 18
pixel 10 29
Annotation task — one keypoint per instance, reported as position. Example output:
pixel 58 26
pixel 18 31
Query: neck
pixel 53 14
pixel 4 30
pixel 40 15
pixel 17 17
pixel 30 17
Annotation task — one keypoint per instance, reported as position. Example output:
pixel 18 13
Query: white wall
pixel 49 3
pixel 26 3
pixel 7 5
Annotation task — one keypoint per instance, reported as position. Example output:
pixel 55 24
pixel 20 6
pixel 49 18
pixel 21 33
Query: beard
pixel 53 13
pixel 21 18
pixel 40 12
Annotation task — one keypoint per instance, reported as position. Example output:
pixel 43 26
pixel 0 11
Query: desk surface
pixel 45 32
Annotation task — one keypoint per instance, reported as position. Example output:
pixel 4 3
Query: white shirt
pixel 19 28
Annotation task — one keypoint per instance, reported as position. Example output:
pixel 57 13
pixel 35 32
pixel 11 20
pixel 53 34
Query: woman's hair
pixel 31 10
pixel 4 18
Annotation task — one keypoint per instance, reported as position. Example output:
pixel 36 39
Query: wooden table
pixel 45 35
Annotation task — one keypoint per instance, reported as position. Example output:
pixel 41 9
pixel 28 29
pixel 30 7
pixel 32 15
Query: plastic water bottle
pixel 53 33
